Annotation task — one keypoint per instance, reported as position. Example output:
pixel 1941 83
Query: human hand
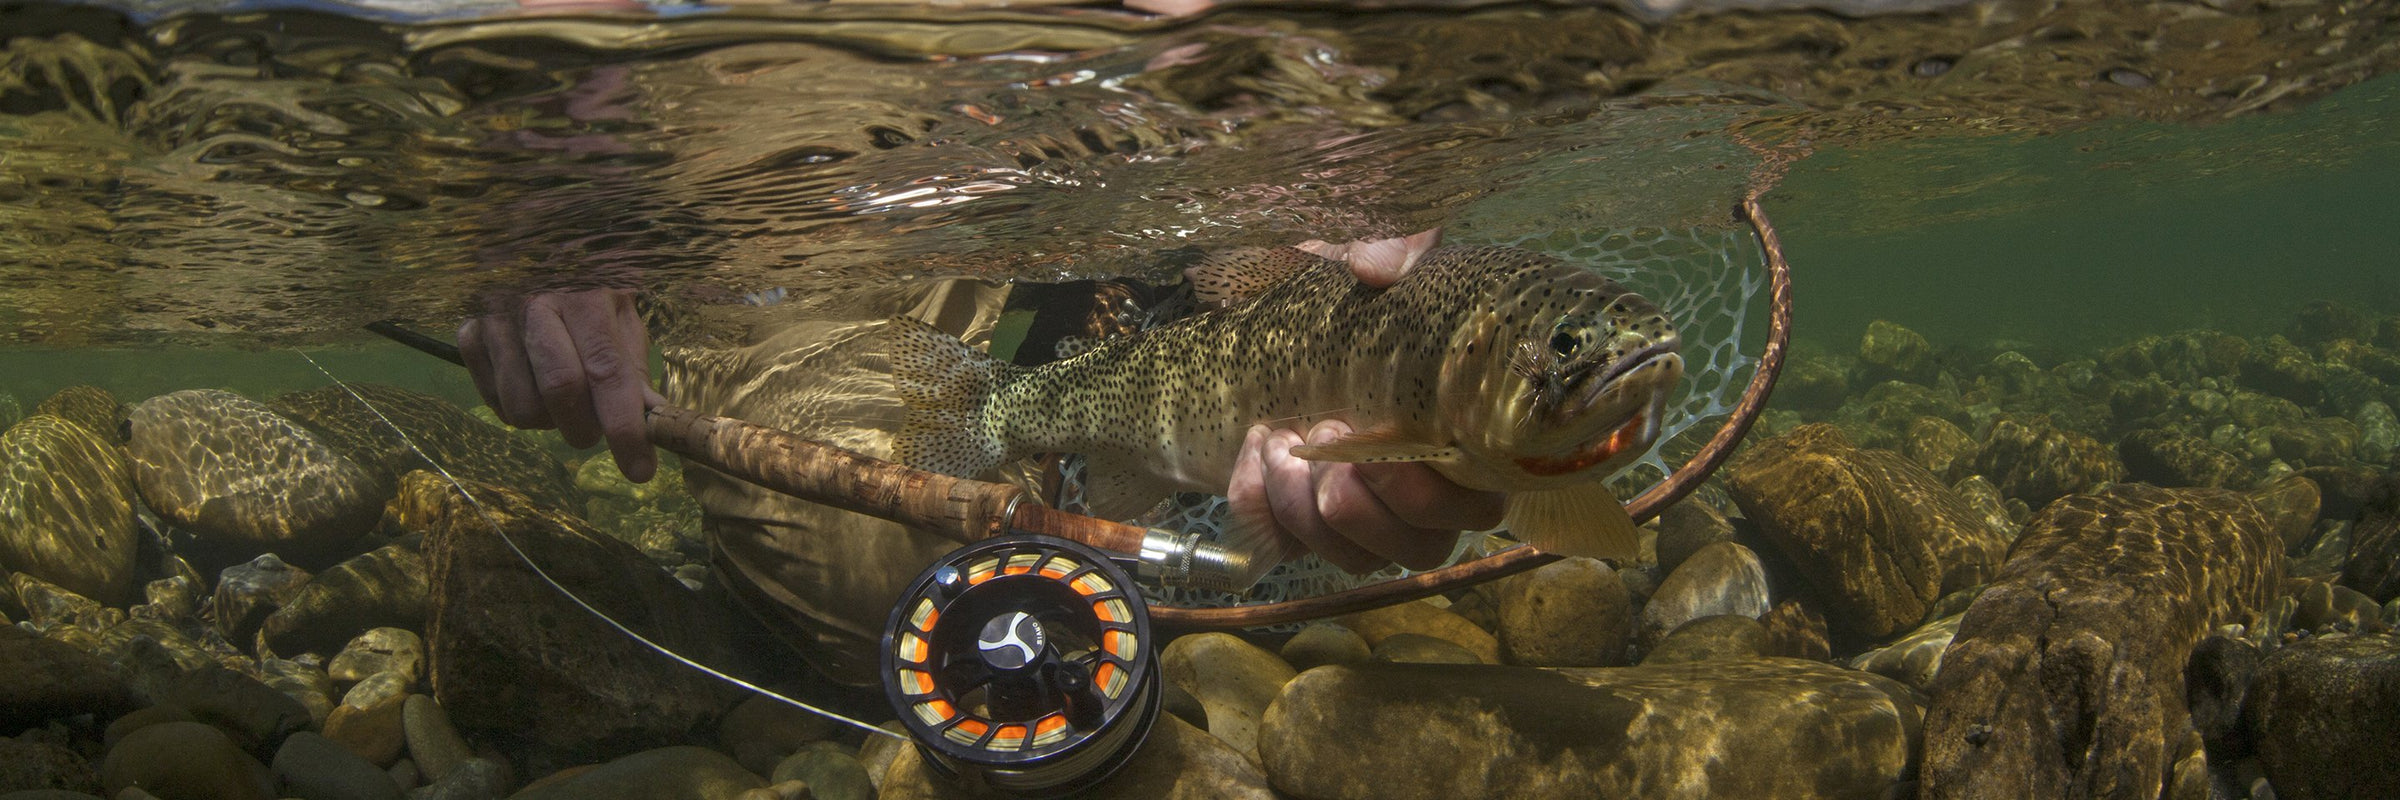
pixel 1357 516
pixel 576 361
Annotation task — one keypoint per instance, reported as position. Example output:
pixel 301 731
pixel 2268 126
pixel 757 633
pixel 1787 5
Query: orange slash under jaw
pixel 1625 436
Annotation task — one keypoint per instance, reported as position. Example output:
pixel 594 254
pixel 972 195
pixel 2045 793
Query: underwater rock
pixel 1417 648
pixel 2135 401
pixel 1572 613
pixel 1321 643
pixel 1891 352
pixel 1710 638
pixel 2325 607
pixel 48 607
pixel 247 593
pixel 2277 367
pixel 1874 534
pixel 1425 618
pixel 394 650
pixel 2322 713
pixel 41 680
pixel 1723 578
pixel 666 773
pixel 177 760
pixel 829 771
pixel 383 588
pixel 257 716
pixel 510 653
pixel 2013 375
pixel 1750 728
pixel 1940 447
pixel 762 730
pixel 1984 499
pixel 1796 631
pixel 1233 679
pixel 2290 504
pixel 2378 432
pixel 2313 440
pixel 2216 682
pixel 301 681
pixel 1811 383
pixel 2174 459
pixel 66 509
pixel 472 779
pixel 1880 417
pixel 2322 321
pixel 2182 358
pixel 2367 359
pixel 2373 562
pixel 468 447
pixel 1687 526
pixel 1913 659
pixel 374 731
pixel 2030 457
pixel 174 600
pixel 32 769
pixel 1177 762
pixel 433 742
pixel 2104 596
pixel 2345 489
pixel 311 766
pixel 246 481
pixel 89 407
pixel 878 753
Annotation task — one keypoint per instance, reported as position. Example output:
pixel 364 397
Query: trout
pixel 1503 370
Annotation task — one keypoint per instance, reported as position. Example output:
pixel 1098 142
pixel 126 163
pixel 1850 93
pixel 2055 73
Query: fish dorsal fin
pixel 1376 445
pixel 1583 520
pixel 1117 489
pixel 1232 277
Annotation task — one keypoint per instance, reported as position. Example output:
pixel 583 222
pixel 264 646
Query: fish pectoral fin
pixel 1232 277
pixel 1376 445
pixel 1116 489
pixel 1580 521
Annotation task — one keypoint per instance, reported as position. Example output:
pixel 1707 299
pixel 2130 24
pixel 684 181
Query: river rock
pixel 257 716
pixel 89 407
pixel 395 650
pixel 2277 367
pixel 41 680
pixel 31 763
pixel 1796 631
pixel 1423 617
pixel 247 593
pixel 1417 648
pixel 184 761
pixel 1812 382
pixel 1874 534
pixel 2185 357
pixel 382 588
pixel 472 779
pixel 761 730
pixel 2168 458
pixel 1710 638
pixel 246 481
pixel 1570 613
pixel 174 600
pixel 66 509
pixel 2378 432
pixel 2372 564
pixel 1750 728
pixel 2216 684
pixel 510 653
pixel 1321 643
pixel 667 773
pixel 1723 578
pixel 1913 659
pixel 2322 713
pixel 374 730
pixel 301 681
pixel 1177 762
pixel 468 447
pixel 1940 447
pixel 2087 629
pixel 2290 504
pixel 1686 527
pixel 2313 440
pixel 2033 459
pixel 1233 680
pixel 829 771
pixel 2326 607
pixel 1891 352
pixel 433 742
pixel 311 767
pixel 878 753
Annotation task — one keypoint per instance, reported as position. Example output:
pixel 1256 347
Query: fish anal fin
pixel 1377 445
pixel 1117 489
pixel 1234 276
pixel 1583 520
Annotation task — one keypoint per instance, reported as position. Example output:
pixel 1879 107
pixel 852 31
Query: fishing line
pixel 493 520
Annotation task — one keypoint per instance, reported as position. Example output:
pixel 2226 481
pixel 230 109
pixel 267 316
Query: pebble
pixel 394 650
pixel 1723 578
pixel 256 715
pixel 1425 618
pixel 472 779
pixel 382 588
pixel 183 761
pixel 877 754
pixel 301 682
pixel 2327 607
pixel 432 742
pixel 1796 631
pixel 828 770
pixel 28 762
pixel 312 767
pixel 760 731
pixel 667 773
pixel 1321 643
pixel 1234 681
pixel 1570 613
pixel 246 593
pixel 1710 638
pixel 41 680
pixel 374 729
pixel 1417 648
pixel 1914 659
pixel 1686 527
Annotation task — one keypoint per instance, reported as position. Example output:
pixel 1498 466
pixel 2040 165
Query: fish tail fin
pixel 947 387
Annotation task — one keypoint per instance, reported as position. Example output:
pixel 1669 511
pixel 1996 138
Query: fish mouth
pixel 1636 359
pixel 1636 432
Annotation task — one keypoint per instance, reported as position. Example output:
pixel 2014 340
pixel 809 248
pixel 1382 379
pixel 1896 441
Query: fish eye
pixel 1564 342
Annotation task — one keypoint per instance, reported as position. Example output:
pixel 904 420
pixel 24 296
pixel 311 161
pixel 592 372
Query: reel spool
pixel 1023 663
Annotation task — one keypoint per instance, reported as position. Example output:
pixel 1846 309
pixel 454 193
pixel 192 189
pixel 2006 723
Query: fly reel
pixel 1023 663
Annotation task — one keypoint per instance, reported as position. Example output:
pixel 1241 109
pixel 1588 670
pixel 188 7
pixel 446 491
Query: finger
pixel 558 371
pixel 1354 511
pixel 615 363
pixel 471 343
pixel 1292 495
pixel 512 371
pixel 1425 499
